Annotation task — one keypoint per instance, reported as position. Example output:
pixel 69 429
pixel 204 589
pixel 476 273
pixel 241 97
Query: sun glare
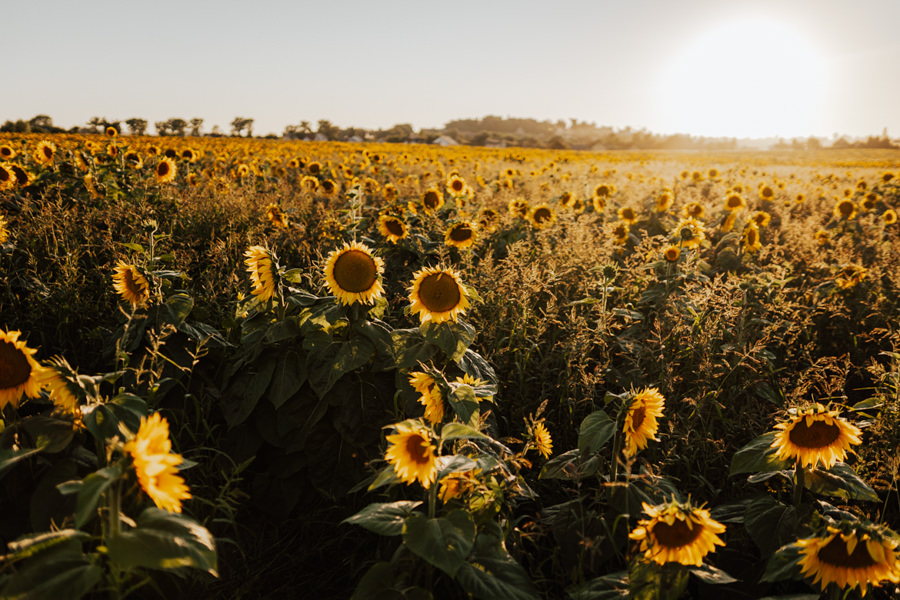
pixel 744 78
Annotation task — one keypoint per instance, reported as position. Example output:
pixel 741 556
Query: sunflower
pixel 822 237
pixel 671 253
pixel 815 435
pixel 430 397
pixel 7 152
pixel 133 160
pixel 456 185
pixel 19 372
pixel 620 232
pixel 677 532
pixel 487 220
pixel 393 228
pixel 437 295
pixel 112 150
pixel 640 421
pixel 131 284
pixel 44 153
pixel 664 201
pixel 734 202
pixel 889 217
pixel 577 205
pixel 887 176
pixel 432 199
pixel 260 266
pixel 189 155
pixel 542 440
pixel 845 209
pixel 276 216
pixel 542 216
pixel 850 555
pixel 314 168
pixel 7 178
pixel 328 187
pixel 627 214
pixel 728 222
pixel 411 451
pixel 461 235
pixel 390 192
pixel 353 274
pixel 111 132
pixel 692 209
pixel 849 276
pixel 156 465
pixel 689 232
pixel 166 170
pixel 604 190
pixel 23 177
pixel 766 193
pixel 518 207
pixel 751 238
pixel 61 381
pixel 455 485
pixel 761 218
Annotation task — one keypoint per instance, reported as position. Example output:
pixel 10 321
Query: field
pixel 245 368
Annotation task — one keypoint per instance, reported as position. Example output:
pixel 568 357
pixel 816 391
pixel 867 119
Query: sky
pixel 735 68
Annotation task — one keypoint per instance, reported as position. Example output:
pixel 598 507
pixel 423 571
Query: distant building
pixel 445 140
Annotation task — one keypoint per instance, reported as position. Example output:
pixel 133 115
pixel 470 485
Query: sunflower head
pixel 604 190
pixel 845 209
pixel 487 220
pixel 62 383
pixel 437 295
pixel 850 554
pixel 131 284
pixel 542 216
pixel 814 435
pixel 822 237
pixel 518 207
pixel 766 193
pixel 543 443
pixel 353 274
pixel 460 235
pixel 19 372
pixel 4 231
pixel 430 396
pixel 44 153
pixel 432 199
pixel 677 532
pixel 628 215
pixel 166 169
pixel 751 238
pixel 671 253
pixel 393 228
pixel 689 232
pixel 641 425
pixel 762 218
pixel 156 465
pixel 889 217
pixel 693 209
pixel 276 216
pixel 7 152
pixel 412 453
pixel 261 266
pixel 664 201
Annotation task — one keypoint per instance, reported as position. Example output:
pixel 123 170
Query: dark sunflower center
pixel 734 202
pixel 457 185
pixel 416 448
pixel 394 227
pixel 628 214
pixel 751 236
pixel 162 169
pixel 687 233
pixel 846 208
pixel 314 168
pixel 677 534
pixel 439 293
pixel 21 175
pixel 430 199
pixel 767 192
pixel 132 284
pixel 5 175
pixel 14 367
pixel 818 435
pixel 48 152
pixel 461 233
pixel 542 215
pixel 327 186
pixel 5 152
pixel 835 553
pixel 355 271
pixel 672 254
pixel 637 417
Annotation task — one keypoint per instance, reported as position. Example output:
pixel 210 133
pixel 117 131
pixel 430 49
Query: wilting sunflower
pixel 751 238
pixel 852 554
pixel 487 220
pixel 641 422
pixel 692 209
pixel 461 235
pixel 457 484
pixel 393 228
pixel 44 153
pixel 849 276
pixel 689 232
pixel 276 216
pixel 889 217
pixel 166 170
pixel 728 222
pixel 131 284
pixel 430 397
pixel 19 372
pixel 542 216
pixel 411 451
pixel 620 231
pixel 260 266
pixel 677 532
pixel 518 207
pixel 761 218
pixel 133 160
pixel 628 215
pixel 353 274
pixel 542 440
pixel 156 465
pixel 437 295
pixel 845 209
pixel 664 201
pixel 61 381
pixel 432 199
pixel 815 435
pixel 671 253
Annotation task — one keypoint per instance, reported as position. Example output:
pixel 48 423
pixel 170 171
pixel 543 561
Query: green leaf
pixel 456 431
pixel 385 518
pixel 783 564
pixel 840 481
pixel 180 306
pixel 164 540
pixel 288 378
pixel 410 348
pixel 475 365
pixel 92 487
pixel 770 523
pixel 376 332
pixel 32 544
pixel 452 338
pixel 758 456
pixel 571 465
pixel 377 584
pixel 491 573
pixel 710 574
pixel 445 542
pixel 132 246
pixel 49 433
pixel 613 586
pixel 243 394
pixel 69 577
pixel 10 457
pixel 463 402
pixel 386 476
pixel 596 430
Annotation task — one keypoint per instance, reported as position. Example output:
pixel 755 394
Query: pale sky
pixel 739 68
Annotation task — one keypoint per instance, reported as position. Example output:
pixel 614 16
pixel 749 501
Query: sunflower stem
pixel 798 483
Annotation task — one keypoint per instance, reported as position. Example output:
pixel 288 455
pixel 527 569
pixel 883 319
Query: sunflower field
pixel 247 368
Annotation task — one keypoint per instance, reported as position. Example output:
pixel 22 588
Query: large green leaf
pixel 243 394
pixel 336 360
pixel 68 577
pixel 572 465
pixel 456 431
pixel 712 575
pixel 491 573
pixel 758 456
pixel 10 457
pixel 288 377
pixel 410 348
pixel 49 433
pixel 445 542
pixel 180 306
pixel 164 540
pixel 91 490
pixel 783 564
pixel 384 518
pixel 463 402
pixel 451 337
pixel 475 365
pixel 770 523
pixel 596 430
pixel 840 481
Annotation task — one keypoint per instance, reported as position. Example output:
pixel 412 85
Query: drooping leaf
pixel 596 430
pixel 770 523
pixel 444 542
pixel 288 377
pixel 840 481
pixel 457 431
pixel 463 402
pixel 179 306
pixel 490 572
pixel 758 456
pixel 9 457
pixel 384 518
pixel 91 490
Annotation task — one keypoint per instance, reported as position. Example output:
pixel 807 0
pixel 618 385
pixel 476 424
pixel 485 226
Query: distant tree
pixel 195 126
pixel 239 124
pixel 177 126
pixel 19 126
pixel 840 144
pixel 137 126
pixel 813 144
pixel 327 129
pixel 95 124
pixel 162 128
pixel 304 127
pixel 41 124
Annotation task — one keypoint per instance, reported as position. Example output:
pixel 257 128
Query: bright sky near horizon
pixel 742 68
